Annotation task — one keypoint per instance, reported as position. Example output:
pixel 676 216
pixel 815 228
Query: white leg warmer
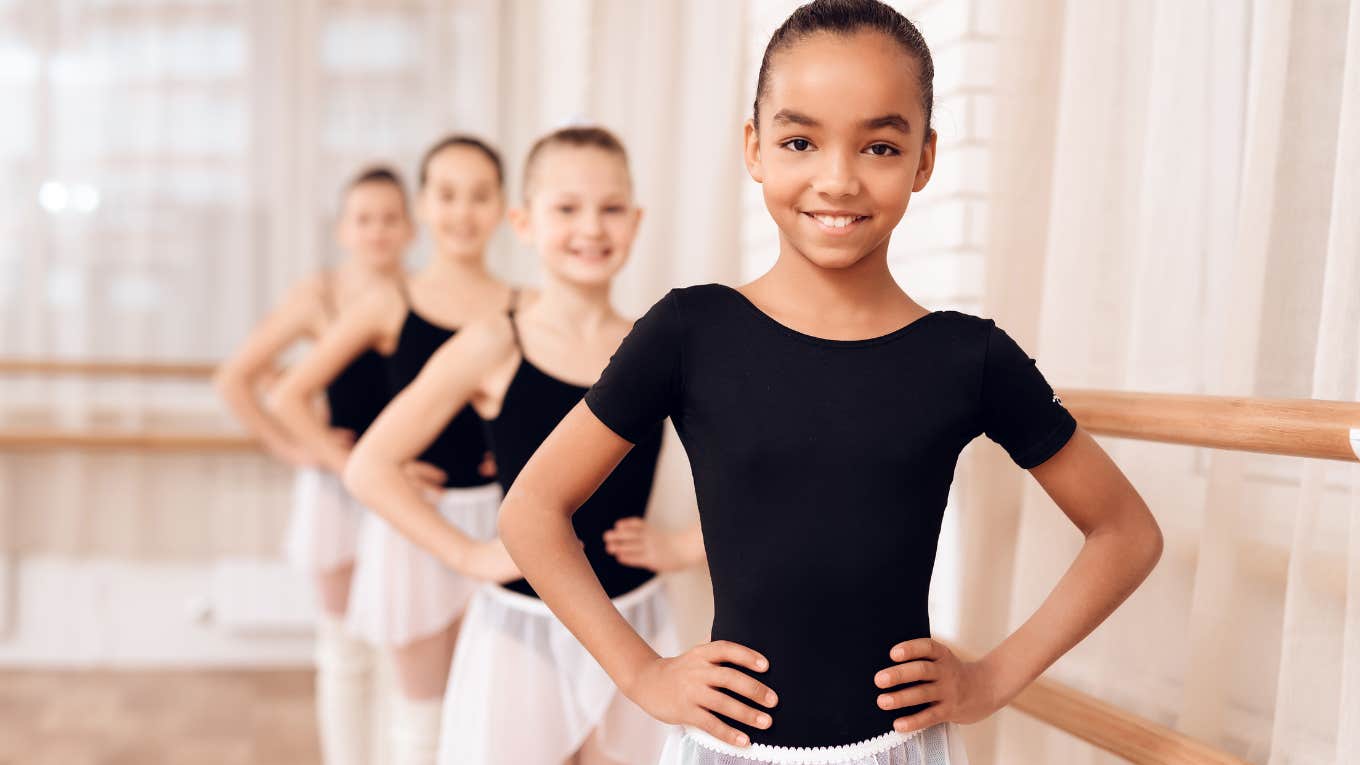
pixel 415 731
pixel 343 694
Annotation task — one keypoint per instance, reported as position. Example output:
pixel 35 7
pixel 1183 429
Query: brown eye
pixel 798 144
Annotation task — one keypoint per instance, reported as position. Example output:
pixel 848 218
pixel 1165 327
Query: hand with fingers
pixel 957 691
pixel 684 690
pixel 635 542
pixel 343 437
pixel 428 479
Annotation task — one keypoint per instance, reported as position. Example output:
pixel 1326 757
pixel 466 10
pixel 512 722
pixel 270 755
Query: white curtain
pixel 1175 211
pixel 172 167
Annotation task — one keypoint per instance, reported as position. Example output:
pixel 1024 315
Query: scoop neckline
pixel 790 331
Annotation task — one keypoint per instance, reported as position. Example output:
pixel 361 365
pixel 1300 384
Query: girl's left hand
pixel 957 691
pixel 634 542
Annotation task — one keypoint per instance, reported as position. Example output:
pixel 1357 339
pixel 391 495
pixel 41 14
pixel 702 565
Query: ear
pixel 751 144
pixel 927 164
pixel 522 225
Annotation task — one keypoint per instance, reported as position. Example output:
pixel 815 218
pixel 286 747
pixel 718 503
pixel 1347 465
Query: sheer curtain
pixel 169 167
pixel 1175 211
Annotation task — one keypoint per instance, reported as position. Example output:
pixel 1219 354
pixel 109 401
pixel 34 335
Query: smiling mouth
pixel 836 223
pixel 590 254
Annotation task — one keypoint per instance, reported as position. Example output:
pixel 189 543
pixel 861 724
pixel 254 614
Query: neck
pixel 866 284
pixel 460 270
pixel 359 267
pixel 581 308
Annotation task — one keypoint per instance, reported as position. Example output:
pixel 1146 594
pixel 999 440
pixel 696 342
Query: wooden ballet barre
pixel 48 439
pixel 1292 427
pixel 1108 727
pixel 94 368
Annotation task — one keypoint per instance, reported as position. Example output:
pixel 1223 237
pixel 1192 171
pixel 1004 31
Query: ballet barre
pixel 1314 428
pixel 1290 427
pixel 147 441
pixel 1109 727
pixel 107 368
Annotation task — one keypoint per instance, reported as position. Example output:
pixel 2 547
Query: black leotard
pixel 460 448
pixel 359 392
pixel 822 469
pixel 533 405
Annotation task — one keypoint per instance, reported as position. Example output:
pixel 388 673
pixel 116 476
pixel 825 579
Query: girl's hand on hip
pixel 635 542
pixel 957 691
pixel 683 690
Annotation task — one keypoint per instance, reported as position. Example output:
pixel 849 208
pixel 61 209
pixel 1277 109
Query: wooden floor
pixel 149 718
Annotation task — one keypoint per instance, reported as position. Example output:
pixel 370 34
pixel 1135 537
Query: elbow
pixel 510 519
pixel 227 383
pixel 279 402
pixel 1156 543
pixel 1146 538
pixel 357 478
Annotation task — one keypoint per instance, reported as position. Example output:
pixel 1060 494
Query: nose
pixel 836 176
pixel 591 223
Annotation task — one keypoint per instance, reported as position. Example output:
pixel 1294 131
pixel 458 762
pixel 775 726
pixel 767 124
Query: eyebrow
pixel 894 121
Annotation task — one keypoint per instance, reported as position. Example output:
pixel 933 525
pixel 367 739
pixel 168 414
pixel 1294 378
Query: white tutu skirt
pixel 937 745
pixel 402 593
pixel 523 690
pixel 323 530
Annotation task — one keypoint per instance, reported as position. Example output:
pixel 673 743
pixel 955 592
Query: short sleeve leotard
pixel 822 468
pixel 532 406
pixel 460 448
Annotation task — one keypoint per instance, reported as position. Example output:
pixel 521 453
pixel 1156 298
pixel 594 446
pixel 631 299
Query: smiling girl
pixel 522 689
pixel 823 411
pixel 404 599
pixel 374 229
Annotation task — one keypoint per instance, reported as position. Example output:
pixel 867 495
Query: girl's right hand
pixel 428 479
pixel 683 690
pixel 342 438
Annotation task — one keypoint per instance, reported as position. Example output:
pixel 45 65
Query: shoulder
pixel 308 293
pixel 684 309
pixel 382 298
pixel 698 297
pixel 482 343
pixel 964 329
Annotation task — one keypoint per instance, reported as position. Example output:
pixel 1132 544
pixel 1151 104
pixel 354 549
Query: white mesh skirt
pixel 323 529
pixel 937 745
pixel 523 690
pixel 402 593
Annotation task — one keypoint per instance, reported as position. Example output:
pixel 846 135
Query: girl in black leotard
pixel 823 411
pixel 404 600
pixel 522 690
pixel 374 229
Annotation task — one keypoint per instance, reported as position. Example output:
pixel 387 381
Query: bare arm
pixel 357 330
pixel 410 424
pixel 1123 545
pixel 239 378
pixel 535 524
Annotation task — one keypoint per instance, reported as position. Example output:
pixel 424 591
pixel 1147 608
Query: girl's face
pixel 579 214
pixel 461 202
pixel 374 226
pixel 840 146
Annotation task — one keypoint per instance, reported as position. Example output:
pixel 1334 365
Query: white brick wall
pixel 937 250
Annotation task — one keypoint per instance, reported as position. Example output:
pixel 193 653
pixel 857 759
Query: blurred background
pixel 1152 196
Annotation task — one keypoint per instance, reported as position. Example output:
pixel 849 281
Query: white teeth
pixel 835 221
